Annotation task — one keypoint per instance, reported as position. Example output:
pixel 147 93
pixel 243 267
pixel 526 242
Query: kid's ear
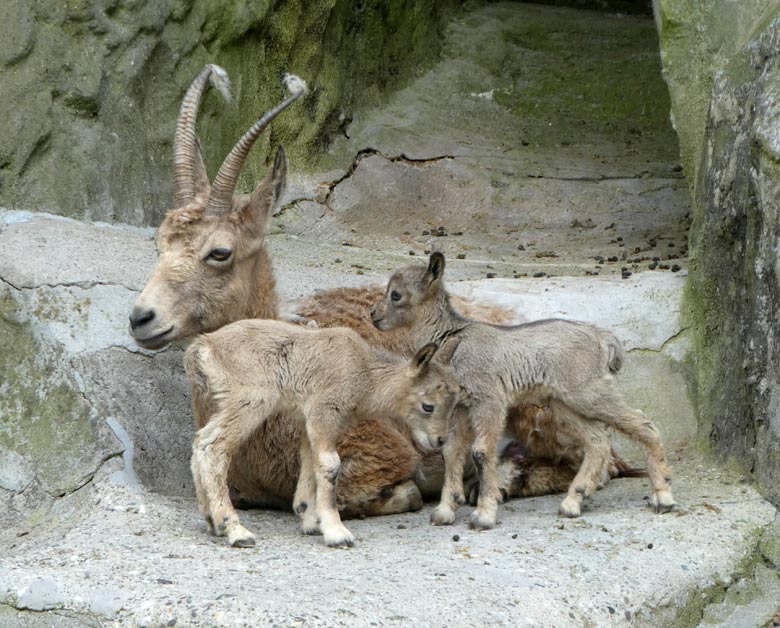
pixel 435 266
pixel 447 350
pixel 423 357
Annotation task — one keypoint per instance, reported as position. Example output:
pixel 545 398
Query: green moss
pixel 42 417
pixel 597 75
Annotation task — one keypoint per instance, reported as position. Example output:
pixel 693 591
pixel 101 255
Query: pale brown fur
pixel 323 378
pixel 568 364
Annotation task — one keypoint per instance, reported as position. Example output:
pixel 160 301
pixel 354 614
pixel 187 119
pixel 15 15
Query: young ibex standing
pixel 213 269
pixel 325 378
pixel 570 363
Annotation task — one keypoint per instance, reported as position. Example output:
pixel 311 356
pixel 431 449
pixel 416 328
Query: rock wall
pixel 91 89
pixel 727 116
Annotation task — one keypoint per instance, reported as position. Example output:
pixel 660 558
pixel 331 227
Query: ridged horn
pixel 225 182
pixel 184 143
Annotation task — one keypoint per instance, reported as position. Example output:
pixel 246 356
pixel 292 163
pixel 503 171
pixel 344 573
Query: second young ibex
pixel 323 378
pixel 568 364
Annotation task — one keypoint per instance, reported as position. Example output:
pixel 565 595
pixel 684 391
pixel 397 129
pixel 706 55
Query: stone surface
pixel 91 90
pixel 515 150
pixel 619 561
pixel 733 294
pixel 698 39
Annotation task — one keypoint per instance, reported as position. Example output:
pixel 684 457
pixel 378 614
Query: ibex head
pixel 411 293
pixel 212 267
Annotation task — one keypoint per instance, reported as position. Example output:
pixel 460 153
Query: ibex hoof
pixel 340 537
pixel 663 502
pixel 241 537
pixel 442 516
pixel 482 521
pixel 310 526
pixel 570 507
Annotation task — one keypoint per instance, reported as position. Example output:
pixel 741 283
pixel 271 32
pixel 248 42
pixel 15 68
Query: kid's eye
pixel 395 296
pixel 428 408
pixel 219 255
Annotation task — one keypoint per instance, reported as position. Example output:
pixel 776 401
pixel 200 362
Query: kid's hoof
pixel 339 538
pixel 481 521
pixel 663 502
pixel 310 526
pixel 570 508
pixel 442 517
pixel 241 537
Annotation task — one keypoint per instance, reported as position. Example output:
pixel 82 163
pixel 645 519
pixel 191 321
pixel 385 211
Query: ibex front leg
pixel 322 427
pixel 305 501
pixel 454 451
pixel 487 421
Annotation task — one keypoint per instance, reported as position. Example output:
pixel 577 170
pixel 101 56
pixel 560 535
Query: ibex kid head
pixel 433 393
pixel 411 292
pixel 210 245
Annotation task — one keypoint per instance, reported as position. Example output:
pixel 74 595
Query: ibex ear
pixel 423 357
pixel 202 185
pixel 447 350
pixel 435 266
pixel 266 195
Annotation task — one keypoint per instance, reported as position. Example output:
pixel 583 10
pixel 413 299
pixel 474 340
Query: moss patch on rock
pixel 43 418
pixel 91 90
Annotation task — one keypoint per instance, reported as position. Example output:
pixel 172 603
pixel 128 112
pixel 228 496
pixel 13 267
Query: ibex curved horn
pixel 225 181
pixel 184 143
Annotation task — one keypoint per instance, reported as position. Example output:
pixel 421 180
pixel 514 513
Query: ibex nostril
pixel 139 318
pixel 441 441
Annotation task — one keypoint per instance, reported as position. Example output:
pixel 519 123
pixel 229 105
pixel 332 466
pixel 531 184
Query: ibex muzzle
pixel 210 245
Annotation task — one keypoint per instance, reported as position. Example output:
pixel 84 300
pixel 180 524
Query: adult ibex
pixel 213 269
pixel 570 365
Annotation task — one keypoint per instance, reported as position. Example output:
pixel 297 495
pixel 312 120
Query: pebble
pixel 491 275
pixel 675 268
pixel 456 538
pixel 626 274
pixel 460 256
pixel 540 274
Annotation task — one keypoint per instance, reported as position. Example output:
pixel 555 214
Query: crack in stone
pixel 360 155
pixel 665 343
pixel 86 284
pixel 370 152
pixel 587 179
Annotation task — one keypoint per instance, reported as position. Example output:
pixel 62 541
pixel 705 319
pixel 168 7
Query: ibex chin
pixel 323 378
pixel 570 365
pixel 213 269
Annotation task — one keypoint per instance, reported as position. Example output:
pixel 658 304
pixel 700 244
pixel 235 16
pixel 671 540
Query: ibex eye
pixel 428 407
pixel 219 255
pixel 395 296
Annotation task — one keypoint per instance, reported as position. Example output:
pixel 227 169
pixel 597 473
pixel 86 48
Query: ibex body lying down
pixel 569 363
pixel 213 269
pixel 323 378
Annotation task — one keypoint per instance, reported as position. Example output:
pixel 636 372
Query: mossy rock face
pixel 734 288
pixel 698 39
pixel 91 90
pixel 50 441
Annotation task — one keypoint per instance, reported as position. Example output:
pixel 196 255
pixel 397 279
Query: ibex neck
pixel 439 321
pixel 262 299
pixel 386 377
